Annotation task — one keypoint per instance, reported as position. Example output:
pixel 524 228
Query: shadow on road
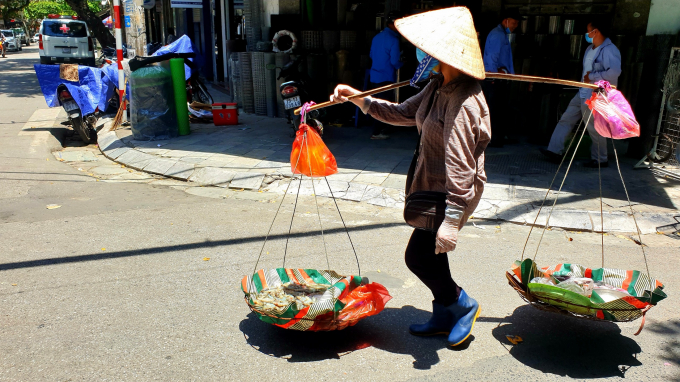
pixel 567 346
pixel 671 331
pixel 387 331
pixel 20 85
pixel 179 247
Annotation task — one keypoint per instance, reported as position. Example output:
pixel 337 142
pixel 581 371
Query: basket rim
pixel 538 302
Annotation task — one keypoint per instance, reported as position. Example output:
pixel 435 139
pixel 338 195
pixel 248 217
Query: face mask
pixel 507 30
pixel 428 65
pixel 589 39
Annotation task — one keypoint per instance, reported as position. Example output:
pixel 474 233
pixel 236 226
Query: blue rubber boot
pixel 465 312
pixel 440 323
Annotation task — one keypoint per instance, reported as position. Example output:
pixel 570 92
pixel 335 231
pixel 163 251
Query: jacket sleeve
pixel 611 61
pixel 460 127
pixel 492 52
pixel 399 114
pixel 395 55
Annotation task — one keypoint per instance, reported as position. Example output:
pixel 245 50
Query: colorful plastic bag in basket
pixel 310 156
pixel 612 114
pixel 348 299
pixel 641 292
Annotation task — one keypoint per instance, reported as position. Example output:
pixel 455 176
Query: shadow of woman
pixel 387 331
pixel 568 346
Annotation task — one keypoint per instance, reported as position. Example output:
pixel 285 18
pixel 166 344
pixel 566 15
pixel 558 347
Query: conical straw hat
pixel 448 35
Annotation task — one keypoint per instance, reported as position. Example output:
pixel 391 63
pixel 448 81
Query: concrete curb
pixel 116 150
pixel 508 203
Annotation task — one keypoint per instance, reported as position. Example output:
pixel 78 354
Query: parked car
pixel 35 38
pixel 63 39
pixel 11 43
pixel 21 36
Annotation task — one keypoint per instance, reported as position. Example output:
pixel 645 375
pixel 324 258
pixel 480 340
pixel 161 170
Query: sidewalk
pixel 255 156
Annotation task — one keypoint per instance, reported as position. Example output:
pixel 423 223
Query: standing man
pixel 602 61
pixel 498 59
pixel 386 57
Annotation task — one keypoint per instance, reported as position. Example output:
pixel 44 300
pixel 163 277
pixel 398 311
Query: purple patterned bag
pixel 612 114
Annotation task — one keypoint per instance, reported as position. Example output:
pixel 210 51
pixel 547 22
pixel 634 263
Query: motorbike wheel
pixel 200 93
pixel 87 134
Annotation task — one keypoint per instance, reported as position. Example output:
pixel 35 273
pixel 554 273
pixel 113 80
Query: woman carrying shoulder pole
pixel 453 120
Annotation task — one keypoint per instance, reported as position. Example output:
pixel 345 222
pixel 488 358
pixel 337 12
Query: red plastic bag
pixel 364 301
pixel 310 154
pixel 612 114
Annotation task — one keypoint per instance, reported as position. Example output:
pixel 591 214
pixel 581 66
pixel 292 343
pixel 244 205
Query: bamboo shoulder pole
pixel 541 80
pixel 500 76
pixel 358 95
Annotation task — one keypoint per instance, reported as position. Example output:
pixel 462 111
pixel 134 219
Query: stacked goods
pixel 311 40
pixel 259 87
pixel 253 20
pixel 348 40
pixel 246 71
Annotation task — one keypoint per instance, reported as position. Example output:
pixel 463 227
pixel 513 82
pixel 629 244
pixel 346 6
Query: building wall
pixel 631 17
pixel 269 7
pixel 664 17
pixel 289 7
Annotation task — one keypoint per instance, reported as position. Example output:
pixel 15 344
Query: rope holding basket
pixel 641 291
pixel 346 299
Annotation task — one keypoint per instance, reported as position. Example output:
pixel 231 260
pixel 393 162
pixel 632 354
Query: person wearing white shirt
pixel 602 61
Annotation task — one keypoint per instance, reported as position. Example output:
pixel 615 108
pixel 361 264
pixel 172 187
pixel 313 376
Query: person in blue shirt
pixel 386 57
pixel 601 61
pixel 498 59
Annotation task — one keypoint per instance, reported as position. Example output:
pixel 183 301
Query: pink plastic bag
pixel 612 114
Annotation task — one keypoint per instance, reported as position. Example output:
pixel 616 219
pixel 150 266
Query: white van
pixel 65 40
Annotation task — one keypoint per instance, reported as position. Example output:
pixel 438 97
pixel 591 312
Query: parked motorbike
pixel 295 94
pixel 83 125
pixel 108 55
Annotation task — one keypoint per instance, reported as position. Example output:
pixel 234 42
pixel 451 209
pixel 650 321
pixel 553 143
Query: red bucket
pixel 225 114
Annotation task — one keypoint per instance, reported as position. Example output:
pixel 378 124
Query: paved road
pixel 130 281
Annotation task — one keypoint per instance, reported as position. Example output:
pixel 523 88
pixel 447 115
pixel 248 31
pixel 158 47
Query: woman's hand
pixel 341 93
pixel 447 236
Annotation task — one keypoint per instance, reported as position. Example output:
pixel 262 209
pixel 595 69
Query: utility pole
pixel 135 30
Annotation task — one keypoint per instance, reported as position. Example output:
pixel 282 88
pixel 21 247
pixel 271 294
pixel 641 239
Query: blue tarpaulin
pixel 181 45
pixel 96 85
pixel 110 77
pixel 89 92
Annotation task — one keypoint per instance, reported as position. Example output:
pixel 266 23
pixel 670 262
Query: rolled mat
pixel 259 88
pixel 179 85
pixel 270 84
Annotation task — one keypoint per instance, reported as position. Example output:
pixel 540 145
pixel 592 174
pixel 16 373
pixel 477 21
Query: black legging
pixel 432 270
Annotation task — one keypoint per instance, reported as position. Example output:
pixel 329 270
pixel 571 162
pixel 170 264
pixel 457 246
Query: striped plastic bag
pixel 644 292
pixel 348 300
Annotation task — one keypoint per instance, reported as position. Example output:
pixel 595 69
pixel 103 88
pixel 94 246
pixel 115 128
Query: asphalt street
pixel 134 281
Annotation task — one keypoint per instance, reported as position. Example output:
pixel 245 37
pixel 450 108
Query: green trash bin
pixel 152 104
